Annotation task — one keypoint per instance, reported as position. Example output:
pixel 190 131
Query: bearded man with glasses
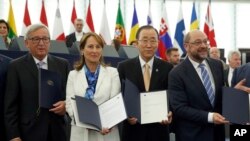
pixel 195 90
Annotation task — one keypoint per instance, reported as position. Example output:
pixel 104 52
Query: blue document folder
pixel 92 112
pixel 235 106
pixel 50 86
pixel 131 96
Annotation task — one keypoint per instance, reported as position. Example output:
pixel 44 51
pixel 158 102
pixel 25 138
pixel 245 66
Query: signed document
pixel 106 115
pixel 154 106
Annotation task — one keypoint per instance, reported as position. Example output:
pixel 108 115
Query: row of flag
pixel 120 34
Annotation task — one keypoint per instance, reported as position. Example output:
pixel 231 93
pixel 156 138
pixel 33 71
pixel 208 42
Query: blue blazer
pixel 191 105
pixel 4 61
pixel 241 73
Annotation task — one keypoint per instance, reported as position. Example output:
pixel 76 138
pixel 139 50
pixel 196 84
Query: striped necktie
pixel 207 83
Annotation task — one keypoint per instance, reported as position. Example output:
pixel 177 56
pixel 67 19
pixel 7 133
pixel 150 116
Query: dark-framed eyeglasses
pixel 200 42
pixel 36 40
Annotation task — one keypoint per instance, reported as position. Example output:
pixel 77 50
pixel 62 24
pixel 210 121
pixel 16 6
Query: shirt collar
pixel 45 60
pixel 196 64
pixel 150 62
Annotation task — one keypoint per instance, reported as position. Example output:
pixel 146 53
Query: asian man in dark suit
pixel 77 35
pixel 24 119
pixel 195 89
pixel 4 61
pixel 133 70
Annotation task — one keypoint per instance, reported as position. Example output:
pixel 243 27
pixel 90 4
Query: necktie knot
pixel 40 64
pixel 202 65
pixel 146 76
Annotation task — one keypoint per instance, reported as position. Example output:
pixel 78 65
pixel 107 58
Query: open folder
pixel 50 86
pixel 235 106
pixel 148 107
pixel 106 115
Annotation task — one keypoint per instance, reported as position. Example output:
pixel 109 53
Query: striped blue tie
pixel 207 83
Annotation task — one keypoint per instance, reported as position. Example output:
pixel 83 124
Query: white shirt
pixel 45 61
pixel 78 36
pixel 150 63
pixel 230 76
pixel 198 70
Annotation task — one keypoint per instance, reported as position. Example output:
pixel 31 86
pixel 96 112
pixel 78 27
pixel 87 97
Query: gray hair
pixel 232 52
pixel 34 27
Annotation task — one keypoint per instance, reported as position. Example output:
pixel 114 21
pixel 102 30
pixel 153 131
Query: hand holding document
pixel 49 88
pixel 89 115
pixel 147 107
pixel 235 105
pixel 154 107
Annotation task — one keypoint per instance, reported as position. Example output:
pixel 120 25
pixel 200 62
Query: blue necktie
pixel 207 83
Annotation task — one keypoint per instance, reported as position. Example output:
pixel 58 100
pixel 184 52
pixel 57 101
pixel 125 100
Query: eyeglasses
pixel 146 41
pixel 36 40
pixel 199 42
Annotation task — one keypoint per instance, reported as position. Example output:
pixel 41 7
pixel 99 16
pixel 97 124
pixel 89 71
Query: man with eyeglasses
pixel 135 70
pixel 195 89
pixel 24 119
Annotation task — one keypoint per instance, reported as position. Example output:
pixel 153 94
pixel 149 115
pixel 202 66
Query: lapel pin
pixel 156 70
pixel 50 83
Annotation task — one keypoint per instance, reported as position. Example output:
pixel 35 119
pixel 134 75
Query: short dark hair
pixel 7 25
pixel 145 27
pixel 170 50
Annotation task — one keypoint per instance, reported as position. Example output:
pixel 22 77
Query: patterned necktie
pixel 146 77
pixel 40 64
pixel 207 83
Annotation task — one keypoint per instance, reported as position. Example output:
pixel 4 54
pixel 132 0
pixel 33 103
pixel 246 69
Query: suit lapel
pixel 195 79
pixel 52 64
pixel 155 74
pixel 81 82
pixel 31 65
pixel 100 77
pixel 138 74
pixel 213 71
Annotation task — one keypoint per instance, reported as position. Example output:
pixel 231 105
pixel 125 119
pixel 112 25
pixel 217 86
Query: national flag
pixel 194 24
pixel 134 26
pixel 165 41
pixel 73 17
pixel 180 32
pixel 89 26
pixel 26 19
pixel 58 33
pixel 120 32
pixel 149 16
pixel 43 17
pixel 209 27
pixel 104 30
pixel 12 23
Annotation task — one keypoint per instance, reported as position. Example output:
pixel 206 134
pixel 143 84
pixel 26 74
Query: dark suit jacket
pixel 241 73
pixel 70 39
pixel 131 69
pixel 4 61
pixel 226 71
pixel 22 115
pixel 191 104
